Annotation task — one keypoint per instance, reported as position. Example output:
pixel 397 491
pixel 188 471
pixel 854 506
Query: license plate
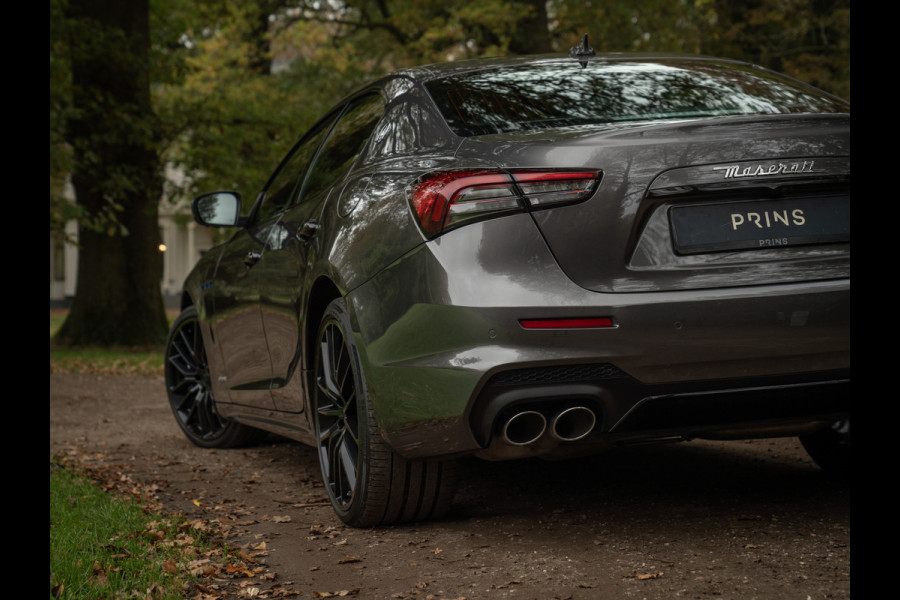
pixel 759 224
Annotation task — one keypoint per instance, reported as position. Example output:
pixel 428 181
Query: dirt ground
pixel 706 520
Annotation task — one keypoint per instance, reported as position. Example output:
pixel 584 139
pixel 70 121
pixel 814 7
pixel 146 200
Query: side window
pixel 401 131
pixel 283 185
pixel 346 141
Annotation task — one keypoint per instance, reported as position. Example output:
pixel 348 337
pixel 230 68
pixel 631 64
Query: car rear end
pixel 671 275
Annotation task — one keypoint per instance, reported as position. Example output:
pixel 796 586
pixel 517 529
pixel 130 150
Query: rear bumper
pixel 616 409
pixel 439 338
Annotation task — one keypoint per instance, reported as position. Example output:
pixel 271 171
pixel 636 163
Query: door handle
pixel 308 230
pixel 252 258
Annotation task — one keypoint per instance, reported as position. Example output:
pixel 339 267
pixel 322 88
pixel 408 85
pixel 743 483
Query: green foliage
pixel 99 71
pixel 103 547
pixel 229 120
pixel 236 83
pixel 60 111
pixel 807 40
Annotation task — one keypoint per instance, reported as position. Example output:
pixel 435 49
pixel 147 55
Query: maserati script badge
pixel 762 170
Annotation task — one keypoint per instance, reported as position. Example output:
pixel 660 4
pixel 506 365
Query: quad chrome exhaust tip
pixel 572 424
pixel 524 428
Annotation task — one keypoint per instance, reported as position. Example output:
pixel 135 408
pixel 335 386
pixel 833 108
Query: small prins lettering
pixel 768 219
pixel 796 168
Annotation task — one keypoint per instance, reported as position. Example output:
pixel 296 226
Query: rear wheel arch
pixel 186 301
pixel 368 483
pixel 323 292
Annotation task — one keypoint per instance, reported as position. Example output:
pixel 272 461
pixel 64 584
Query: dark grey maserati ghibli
pixel 537 256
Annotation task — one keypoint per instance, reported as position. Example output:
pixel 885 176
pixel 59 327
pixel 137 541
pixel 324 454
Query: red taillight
pixel 470 192
pixel 543 188
pixel 580 323
pixel 446 199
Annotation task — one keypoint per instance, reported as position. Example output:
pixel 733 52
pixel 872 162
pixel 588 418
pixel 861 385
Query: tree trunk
pixel 533 35
pixel 117 178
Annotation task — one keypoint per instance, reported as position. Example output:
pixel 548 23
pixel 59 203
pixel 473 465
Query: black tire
pixel 367 482
pixel 190 393
pixel 830 447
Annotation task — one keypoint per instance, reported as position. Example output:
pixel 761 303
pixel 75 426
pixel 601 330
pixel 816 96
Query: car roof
pixel 443 69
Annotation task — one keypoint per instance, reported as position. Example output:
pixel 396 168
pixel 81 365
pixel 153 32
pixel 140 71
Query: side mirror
pixel 217 209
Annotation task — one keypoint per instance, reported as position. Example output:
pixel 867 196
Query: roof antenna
pixel 583 51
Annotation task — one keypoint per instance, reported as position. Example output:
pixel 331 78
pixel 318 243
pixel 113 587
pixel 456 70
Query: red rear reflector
pixel 588 323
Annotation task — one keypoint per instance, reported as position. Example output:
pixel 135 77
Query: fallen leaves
pixel 98 574
pixel 202 567
pixel 644 576
pixel 170 567
pixel 317 532
pixel 239 570
pixel 221 572
pixel 311 504
pixel 276 518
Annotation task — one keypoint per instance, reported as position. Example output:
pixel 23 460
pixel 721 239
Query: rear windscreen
pixel 562 94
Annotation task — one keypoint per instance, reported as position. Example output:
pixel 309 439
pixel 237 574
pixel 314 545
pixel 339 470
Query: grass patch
pixel 107 361
pixel 104 361
pixel 107 547
pixel 57 318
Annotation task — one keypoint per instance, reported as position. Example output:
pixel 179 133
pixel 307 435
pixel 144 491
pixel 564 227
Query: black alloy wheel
pixel 367 482
pixel 190 392
pixel 337 415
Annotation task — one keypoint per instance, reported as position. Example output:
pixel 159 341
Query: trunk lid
pixel 694 204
